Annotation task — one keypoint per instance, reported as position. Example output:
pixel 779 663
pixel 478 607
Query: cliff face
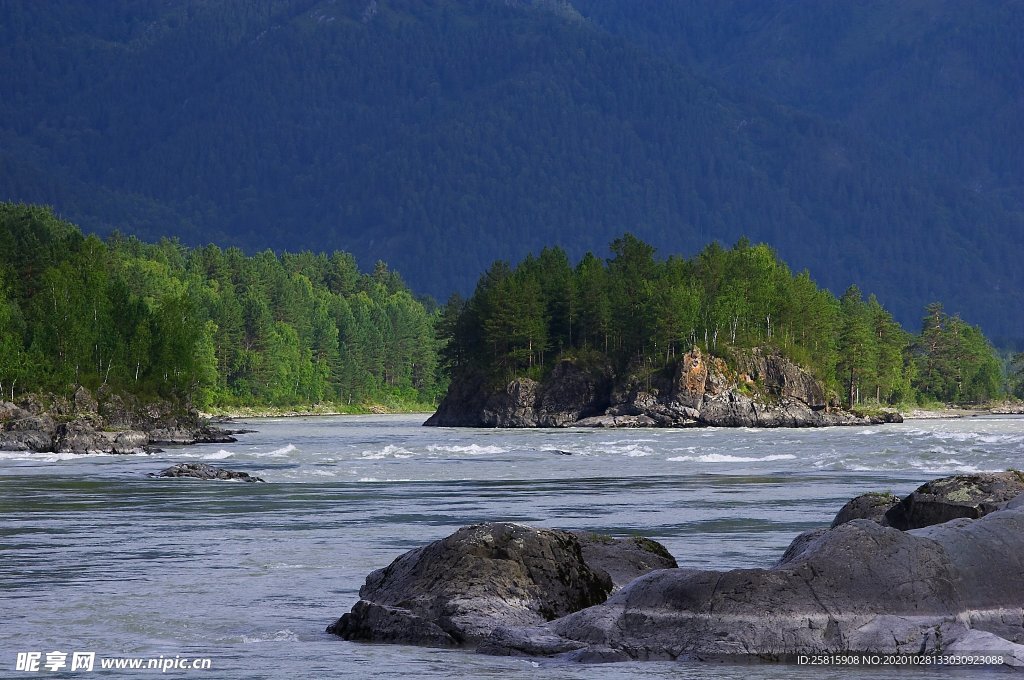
pixel 767 390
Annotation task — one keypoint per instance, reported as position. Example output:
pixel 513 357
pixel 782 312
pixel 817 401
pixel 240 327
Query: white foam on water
pixel 323 473
pixel 389 451
pixel 219 455
pixel 472 449
pixel 53 457
pixel 726 458
pixel 944 467
pixel 278 453
pixel 277 636
pixel 627 447
pixel 372 480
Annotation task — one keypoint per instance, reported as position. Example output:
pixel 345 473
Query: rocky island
pixel 764 390
pixel 938 572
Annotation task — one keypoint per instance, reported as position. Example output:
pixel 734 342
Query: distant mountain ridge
pixel 440 136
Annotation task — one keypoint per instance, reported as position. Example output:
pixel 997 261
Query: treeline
pixel 635 308
pixel 210 326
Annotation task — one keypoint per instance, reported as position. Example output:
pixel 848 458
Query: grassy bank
pixel 324 409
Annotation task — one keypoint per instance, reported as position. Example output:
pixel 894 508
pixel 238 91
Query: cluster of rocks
pixel 938 572
pixel 110 423
pixel 766 390
pixel 205 472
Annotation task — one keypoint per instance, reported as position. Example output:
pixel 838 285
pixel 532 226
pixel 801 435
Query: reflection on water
pixel 98 557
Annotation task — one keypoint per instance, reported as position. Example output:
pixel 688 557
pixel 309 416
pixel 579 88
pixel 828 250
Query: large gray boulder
pixel 457 590
pixel 969 496
pixel 859 587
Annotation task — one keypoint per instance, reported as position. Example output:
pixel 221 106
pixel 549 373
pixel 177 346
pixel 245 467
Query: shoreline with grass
pixel 907 411
pixel 225 413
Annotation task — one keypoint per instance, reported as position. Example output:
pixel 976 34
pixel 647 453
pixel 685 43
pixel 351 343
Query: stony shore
pixel 104 423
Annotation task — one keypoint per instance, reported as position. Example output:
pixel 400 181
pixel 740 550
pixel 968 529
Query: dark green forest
pixel 636 310
pixel 884 152
pixel 205 326
pixel 937 80
pixel 217 328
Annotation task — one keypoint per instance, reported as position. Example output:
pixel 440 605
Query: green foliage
pixel 208 326
pixel 1016 375
pixel 954 361
pixel 634 310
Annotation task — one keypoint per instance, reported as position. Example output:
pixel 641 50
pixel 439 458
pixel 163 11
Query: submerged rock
pixel 457 590
pixel 204 471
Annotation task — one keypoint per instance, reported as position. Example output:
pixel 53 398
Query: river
pixel 97 557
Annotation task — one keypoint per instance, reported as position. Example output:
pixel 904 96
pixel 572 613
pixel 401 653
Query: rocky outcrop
pixel 457 590
pixel 970 496
pixel 767 390
pixel 570 394
pixel 105 423
pixel 204 471
pixel 857 587
pixel 783 378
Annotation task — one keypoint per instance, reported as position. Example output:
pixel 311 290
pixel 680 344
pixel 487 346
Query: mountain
pixel 939 80
pixel 441 135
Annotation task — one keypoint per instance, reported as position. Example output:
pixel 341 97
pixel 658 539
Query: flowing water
pixel 95 556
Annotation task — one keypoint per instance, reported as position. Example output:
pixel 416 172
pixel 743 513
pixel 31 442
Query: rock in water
pixel 204 471
pixel 970 496
pixel 457 590
pixel 859 587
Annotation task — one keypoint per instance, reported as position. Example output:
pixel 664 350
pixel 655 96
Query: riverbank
pixel 245 412
pixel 102 423
pixel 1003 408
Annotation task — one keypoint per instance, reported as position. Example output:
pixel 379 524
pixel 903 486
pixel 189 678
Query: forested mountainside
pixel 439 136
pixel 204 326
pixel 635 314
pixel 938 80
